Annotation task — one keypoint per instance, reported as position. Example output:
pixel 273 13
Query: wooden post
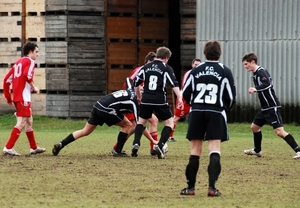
pixel 23 38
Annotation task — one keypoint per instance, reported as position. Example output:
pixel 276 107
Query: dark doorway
pixel 174 37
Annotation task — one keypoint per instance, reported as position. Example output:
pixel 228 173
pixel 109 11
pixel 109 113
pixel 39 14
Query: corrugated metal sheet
pixel 271 28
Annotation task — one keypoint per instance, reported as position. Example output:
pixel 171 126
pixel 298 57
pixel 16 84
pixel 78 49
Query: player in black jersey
pixel 155 75
pixel 109 110
pixel 270 107
pixel 210 91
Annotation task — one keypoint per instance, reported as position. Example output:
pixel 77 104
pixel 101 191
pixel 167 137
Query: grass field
pixel 85 174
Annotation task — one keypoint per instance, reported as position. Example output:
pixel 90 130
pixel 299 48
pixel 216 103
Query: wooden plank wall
pixel 86 47
pixel 188 33
pixel 75 50
pixel 134 27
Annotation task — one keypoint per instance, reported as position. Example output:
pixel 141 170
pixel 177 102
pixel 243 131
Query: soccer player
pixel 155 75
pixel 150 134
pixel 210 91
pixel 270 107
pixel 20 76
pixel 179 113
pixel 109 109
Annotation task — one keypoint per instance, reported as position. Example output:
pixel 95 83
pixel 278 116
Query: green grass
pixel 85 174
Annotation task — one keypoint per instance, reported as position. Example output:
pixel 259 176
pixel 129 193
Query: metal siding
pixel 271 28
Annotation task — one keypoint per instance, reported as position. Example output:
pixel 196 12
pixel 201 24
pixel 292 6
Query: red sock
pixel 115 146
pixel 172 132
pixel 14 136
pixel 154 136
pixel 31 139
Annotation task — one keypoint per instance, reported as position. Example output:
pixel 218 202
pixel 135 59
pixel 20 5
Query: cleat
pixel 171 140
pixel 38 150
pixel 213 192
pixel 297 156
pixel 11 152
pixel 187 191
pixel 56 149
pixel 159 152
pixel 119 154
pixel 252 152
pixel 134 150
pixel 152 152
pixel 113 151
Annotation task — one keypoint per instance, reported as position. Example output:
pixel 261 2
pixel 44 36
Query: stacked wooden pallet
pixel 188 33
pixel 121 39
pixel 75 49
pixel 133 28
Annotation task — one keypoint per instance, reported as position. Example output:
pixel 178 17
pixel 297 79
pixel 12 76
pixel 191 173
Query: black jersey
pixel 264 86
pixel 155 76
pixel 124 101
pixel 210 86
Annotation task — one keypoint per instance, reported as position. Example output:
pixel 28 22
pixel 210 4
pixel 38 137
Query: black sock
pixel 192 170
pixel 138 132
pixel 257 141
pixel 165 133
pixel 291 141
pixel 214 169
pixel 122 137
pixel 67 140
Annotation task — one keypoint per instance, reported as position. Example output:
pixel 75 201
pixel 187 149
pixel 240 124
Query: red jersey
pixel 133 74
pixel 20 75
pixel 186 74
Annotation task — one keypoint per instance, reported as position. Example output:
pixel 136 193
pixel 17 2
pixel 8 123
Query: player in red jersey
pixel 150 134
pixel 179 113
pixel 20 76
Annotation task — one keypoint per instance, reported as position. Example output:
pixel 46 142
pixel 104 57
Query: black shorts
pixel 162 112
pixel 271 116
pixel 207 125
pixel 99 116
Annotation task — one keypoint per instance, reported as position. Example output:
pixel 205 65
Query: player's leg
pixel 214 167
pixel 88 128
pixel 192 167
pixel 153 121
pixel 131 118
pixel 171 137
pixel 139 129
pixel 14 136
pixel 290 140
pixel 21 115
pixel 145 113
pixel 34 149
pixel 127 128
pixel 96 118
pixel 256 125
pixel 164 113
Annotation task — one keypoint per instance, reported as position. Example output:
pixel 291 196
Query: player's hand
pixel 9 102
pixel 252 90
pixel 34 89
pixel 179 103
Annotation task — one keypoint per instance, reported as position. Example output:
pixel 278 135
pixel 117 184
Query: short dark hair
pixel 163 52
pixel 249 57
pixel 29 46
pixel 150 56
pixel 196 59
pixel 212 50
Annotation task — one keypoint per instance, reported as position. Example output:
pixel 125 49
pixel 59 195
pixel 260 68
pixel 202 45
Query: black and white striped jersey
pixel 155 75
pixel 210 86
pixel 124 101
pixel 264 86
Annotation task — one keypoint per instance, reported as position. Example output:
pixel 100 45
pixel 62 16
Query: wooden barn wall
pixel 86 47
